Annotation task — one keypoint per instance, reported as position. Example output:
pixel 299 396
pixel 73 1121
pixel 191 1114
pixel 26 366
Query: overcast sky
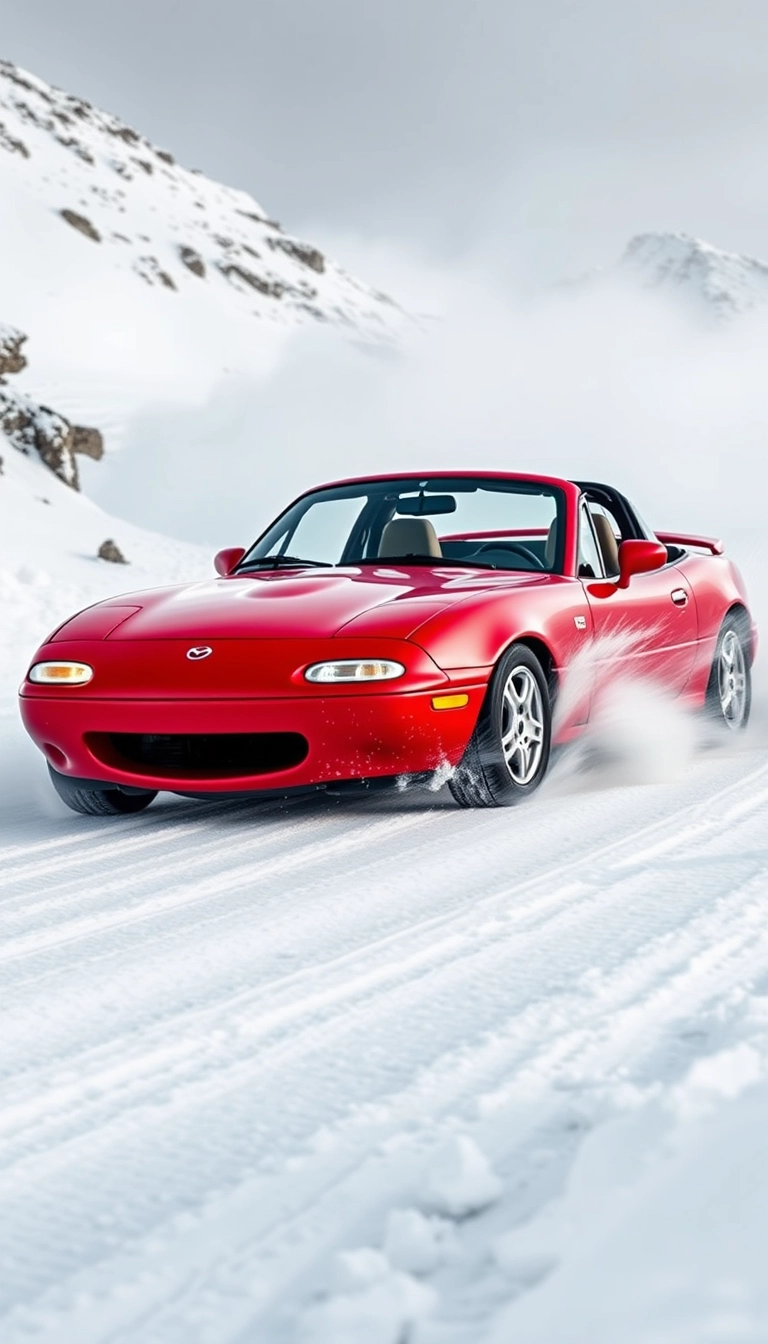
pixel 536 134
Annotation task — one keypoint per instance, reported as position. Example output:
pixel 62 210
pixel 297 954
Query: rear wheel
pixel 508 753
pixel 99 802
pixel 729 693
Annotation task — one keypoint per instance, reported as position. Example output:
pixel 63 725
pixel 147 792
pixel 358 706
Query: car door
pixel 648 629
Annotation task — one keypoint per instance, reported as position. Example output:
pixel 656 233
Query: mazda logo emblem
pixel 200 651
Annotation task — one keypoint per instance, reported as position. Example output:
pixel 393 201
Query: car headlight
pixel 63 673
pixel 353 669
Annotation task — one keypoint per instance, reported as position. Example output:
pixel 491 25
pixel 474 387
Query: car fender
pixel 475 632
pixel 718 588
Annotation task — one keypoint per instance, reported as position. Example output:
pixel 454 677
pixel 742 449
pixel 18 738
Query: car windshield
pixel 468 521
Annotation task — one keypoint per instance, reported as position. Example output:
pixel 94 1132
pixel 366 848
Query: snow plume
pixel 609 652
pixel 638 733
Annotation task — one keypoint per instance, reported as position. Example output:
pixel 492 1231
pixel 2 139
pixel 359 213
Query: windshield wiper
pixel 284 561
pixel 438 561
pixel 294 562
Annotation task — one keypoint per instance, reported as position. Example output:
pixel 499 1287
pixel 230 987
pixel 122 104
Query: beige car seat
pixel 609 547
pixel 409 536
pixel 550 547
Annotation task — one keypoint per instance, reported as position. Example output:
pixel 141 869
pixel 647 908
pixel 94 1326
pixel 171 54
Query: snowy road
pixel 235 1038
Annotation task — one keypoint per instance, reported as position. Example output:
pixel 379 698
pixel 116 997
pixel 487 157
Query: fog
pixel 586 382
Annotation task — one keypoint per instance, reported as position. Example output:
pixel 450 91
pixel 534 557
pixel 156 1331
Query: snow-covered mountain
pixel 166 226
pixel 720 284
pixel 139 282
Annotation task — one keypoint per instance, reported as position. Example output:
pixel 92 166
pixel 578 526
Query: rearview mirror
pixel 419 506
pixel 639 557
pixel 225 561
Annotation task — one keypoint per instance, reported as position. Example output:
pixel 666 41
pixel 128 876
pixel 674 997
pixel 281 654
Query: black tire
pixel 729 692
pixel 488 775
pixel 99 802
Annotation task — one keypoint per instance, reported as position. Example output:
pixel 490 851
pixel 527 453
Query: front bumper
pixel 348 737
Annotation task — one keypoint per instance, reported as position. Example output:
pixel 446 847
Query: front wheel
pixel 729 693
pixel 99 802
pixel 508 753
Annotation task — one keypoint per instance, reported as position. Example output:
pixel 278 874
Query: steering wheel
pixel 511 546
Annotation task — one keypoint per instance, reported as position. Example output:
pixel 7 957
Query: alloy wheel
pixel 522 725
pixel 732 680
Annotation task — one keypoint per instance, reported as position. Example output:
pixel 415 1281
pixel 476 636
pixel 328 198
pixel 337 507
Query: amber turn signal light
pixel 450 701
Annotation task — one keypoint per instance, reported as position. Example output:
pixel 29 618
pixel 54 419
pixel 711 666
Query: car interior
pixel 529 549
pixel 492 526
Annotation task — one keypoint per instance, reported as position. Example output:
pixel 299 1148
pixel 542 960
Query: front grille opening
pixel 211 754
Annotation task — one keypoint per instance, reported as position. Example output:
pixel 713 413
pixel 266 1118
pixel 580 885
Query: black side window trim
pixel 585 517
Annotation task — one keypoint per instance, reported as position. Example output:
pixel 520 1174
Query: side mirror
pixel 639 557
pixel 226 560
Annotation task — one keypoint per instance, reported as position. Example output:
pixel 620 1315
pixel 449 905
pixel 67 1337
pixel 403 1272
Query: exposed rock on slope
pixel 82 225
pixel 31 428
pixel 11 358
pixel 37 429
pixel 109 550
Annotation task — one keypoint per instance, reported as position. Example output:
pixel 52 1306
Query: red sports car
pixel 392 628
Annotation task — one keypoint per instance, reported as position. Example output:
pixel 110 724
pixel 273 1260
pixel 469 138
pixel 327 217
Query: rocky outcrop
pixel 149 269
pixel 82 225
pixel 33 428
pixel 12 142
pixel 308 256
pixel 89 442
pixel 11 358
pixel 193 261
pixel 240 275
pixel 109 550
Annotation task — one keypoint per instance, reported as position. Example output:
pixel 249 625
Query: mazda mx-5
pixel 390 629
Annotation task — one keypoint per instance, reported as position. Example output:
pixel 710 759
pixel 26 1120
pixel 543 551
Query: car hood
pixel 292 604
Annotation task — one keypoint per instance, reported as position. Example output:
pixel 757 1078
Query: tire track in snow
pixel 303 994
pixel 444 1080
pixel 188 890
pixel 428 928
pixel 330 1186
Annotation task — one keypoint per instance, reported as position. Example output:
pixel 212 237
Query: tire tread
pixel 472 783
pixel 98 802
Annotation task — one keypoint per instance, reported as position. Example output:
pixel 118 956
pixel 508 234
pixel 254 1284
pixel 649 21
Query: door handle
pixel 679 597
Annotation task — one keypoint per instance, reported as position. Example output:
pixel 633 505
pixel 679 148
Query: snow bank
pixel 416 1243
pixel 459 1179
pixel 660 1238
pixel 383 1306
